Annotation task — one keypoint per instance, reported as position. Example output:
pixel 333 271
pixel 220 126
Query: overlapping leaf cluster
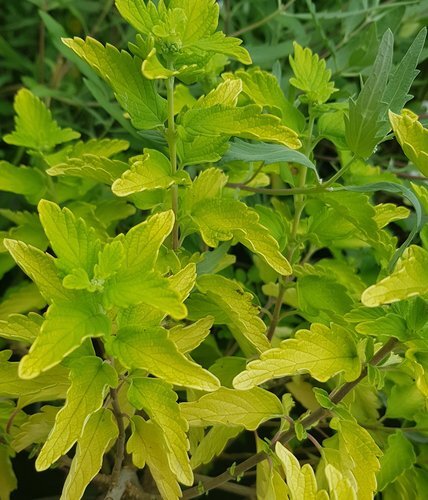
pixel 147 344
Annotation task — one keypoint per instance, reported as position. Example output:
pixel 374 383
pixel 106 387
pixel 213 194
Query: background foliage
pixel 347 35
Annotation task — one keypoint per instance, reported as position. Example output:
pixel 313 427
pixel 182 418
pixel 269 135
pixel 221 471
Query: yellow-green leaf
pixel 147 446
pixel 66 326
pixel 36 429
pixel 409 278
pixel 187 338
pixel 98 433
pixel 21 328
pixel 213 443
pixel 8 481
pixel 238 311
pixel 152 350
pixel 221 219
pixel 90 377
pixel 301 481
pixel 321 351
pixel 34 126
pixel 234 408
pixel 340 487
pixel 247 122
pixel 159 401
pixel 311 75
pixel 135 94
pixel 357 443
pixel 412 136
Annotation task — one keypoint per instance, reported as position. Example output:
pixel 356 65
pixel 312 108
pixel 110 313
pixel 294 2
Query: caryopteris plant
pixel 213 283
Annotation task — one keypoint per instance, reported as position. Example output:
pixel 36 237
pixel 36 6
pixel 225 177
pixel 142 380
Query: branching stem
pixel 335 396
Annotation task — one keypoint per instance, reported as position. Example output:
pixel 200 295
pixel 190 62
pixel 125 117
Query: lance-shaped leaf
pixel 27 181
pixel 72 240
pixel 340 487
pixel 21 328
pixel 247 122
pixel 409 278
pixel 99 147
pixel 135 94
pixel 311 75
pixel 90 377
pixel 363 126
pixel 40 267
pixel 153 171
pixel 159 401
pixel 412 136
pixel 267 153
pixel 213 443
pixel 300 480
pixel 184 281
pixel 147 446
pixel 187 338
pixel 153 351
pixel 246 409
pixel 236 311
pixel 321 351
pixel 221 219
pixel 34 126
pixel 66 326
pixel 99 432
pixel 225 93
pixel 89 166
pixel 356 442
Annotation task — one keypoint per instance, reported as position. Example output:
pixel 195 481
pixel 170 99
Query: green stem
pixel 307 422
pixel 171 136
pixel 299 205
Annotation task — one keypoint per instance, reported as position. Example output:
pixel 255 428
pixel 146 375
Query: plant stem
pixel 171 136
pixel 299 204
pixel 335 396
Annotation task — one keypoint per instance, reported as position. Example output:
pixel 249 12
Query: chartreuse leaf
pixel 152 350
pixel 321 351
pixel 135 282
pixel 409 278
pixel 311 75
pixel 398 457
pixel 91 167
pixel 135 94
pixel 40 267
pixel 269 484
pixel 139 14
pixel 208 184
pixel 340 487
pixel 247 122
pixel 35 429
pixel 213 443
pixel 159 401
pixel 412 136
pixel 27 181
pixel 147 446
pixel 357 443
pixel 46 387
pixel 110 259
pixel 225 406
pixel 21 328
pixel 187 338
pixel 238 311
pixel 99 147
pixel 153 171
pixel 66 326
pixel 90 377
pixel 99 432
pixel 73 242
pixel 264 89
pixel 221 219
pixel 8 481
pixel 300 480
pixel 34 126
